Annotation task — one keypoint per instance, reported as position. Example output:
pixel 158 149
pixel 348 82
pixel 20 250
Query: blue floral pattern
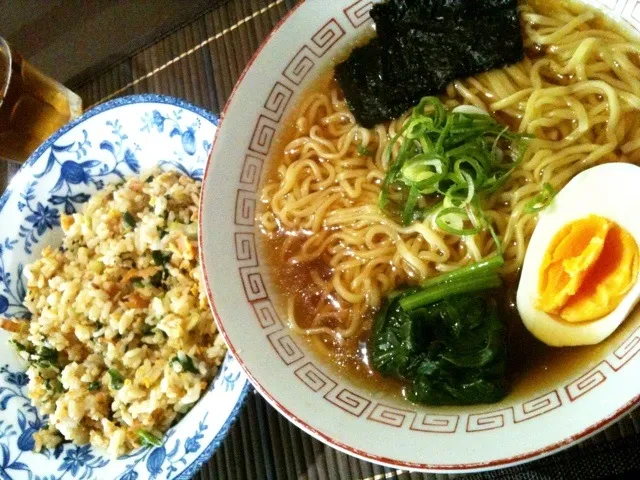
pixel 40 218
pixel 227 378
pixel 76 171
pixel 187 135
pixel 12 291
pixel 108 144
pixel 166 458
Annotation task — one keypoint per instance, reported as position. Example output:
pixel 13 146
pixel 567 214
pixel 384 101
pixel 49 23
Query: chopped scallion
pixel 156 279
pixel 147 439
pixel 47 357
pixel 147 329
pixel 542 200
pixel 187 364
pixel 18 346
pixel 364 151
pixel 117 381
pixel 129 220
pixel 454 226
pixel 160 258
pixel 453 160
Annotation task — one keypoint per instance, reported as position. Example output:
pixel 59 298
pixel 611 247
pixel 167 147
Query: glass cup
pixel 32 106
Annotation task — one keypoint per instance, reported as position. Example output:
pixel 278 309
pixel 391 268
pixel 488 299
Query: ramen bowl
pixel 299 383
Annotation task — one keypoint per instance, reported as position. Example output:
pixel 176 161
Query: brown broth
pixel 533 366
pixel 290 280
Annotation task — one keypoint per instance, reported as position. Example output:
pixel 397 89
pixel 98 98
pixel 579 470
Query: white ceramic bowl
pixel 115 140
pixel 285 371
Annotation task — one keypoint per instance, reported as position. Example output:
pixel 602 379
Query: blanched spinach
pixel 394 346
pixel 452 352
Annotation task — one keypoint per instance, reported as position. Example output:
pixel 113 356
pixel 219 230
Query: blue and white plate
pixel 111 142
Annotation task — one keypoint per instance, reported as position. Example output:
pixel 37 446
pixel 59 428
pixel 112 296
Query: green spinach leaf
pixel 452 352
pixel 394 347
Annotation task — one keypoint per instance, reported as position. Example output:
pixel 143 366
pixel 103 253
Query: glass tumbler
pixel 32 106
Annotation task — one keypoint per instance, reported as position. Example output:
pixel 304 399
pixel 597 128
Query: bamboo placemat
pixel 201 62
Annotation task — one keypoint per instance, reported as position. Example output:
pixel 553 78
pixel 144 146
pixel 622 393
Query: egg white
pixel 611 191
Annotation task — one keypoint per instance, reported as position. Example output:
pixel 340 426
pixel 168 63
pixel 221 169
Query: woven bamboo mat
pixel 201 62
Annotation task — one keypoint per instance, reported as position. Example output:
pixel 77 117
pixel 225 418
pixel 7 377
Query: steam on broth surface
pixel 335 254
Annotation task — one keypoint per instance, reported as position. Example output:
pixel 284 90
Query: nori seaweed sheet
pixel 401 14
pixel 421 46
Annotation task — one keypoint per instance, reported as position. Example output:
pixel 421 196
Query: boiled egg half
pixel 579 279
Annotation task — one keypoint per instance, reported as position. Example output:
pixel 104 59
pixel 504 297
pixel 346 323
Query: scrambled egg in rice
pixel 121 341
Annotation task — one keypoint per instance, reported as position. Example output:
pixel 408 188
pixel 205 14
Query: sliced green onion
pixel 129 220
pixel 364 151
pixel 407 216
pixel 456 158
pixel 147 439
pixel 480 177
pixel 187 363
pixel 471 188
pixel 160 258
pixel 47 357
pixel 456 195
pixel 542 200
pixel 424 171
pixel 394 168
pixel 156 279
pixel 448 228
pixel 18 346
pixel 117 380
pixel 448 126
pixel 499 180
pixel 487 225
pixel 59 388
pixel 93 386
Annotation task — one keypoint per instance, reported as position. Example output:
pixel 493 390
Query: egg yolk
pixel 587 269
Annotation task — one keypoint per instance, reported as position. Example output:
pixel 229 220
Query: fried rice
pixel 121 341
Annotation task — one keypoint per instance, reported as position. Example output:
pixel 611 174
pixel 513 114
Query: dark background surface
pixel 71 39
pixel 196 49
